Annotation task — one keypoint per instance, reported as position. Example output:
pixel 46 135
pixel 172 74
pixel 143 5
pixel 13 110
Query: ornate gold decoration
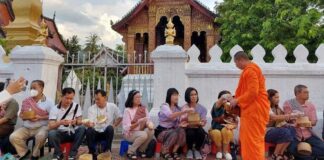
pixel 170 33
pixel 43 33
pixel 25 29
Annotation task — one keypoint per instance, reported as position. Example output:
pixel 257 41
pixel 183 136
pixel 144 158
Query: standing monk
pixel 251 96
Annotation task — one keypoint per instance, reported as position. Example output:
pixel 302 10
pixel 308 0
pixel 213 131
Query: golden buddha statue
pixel 170 33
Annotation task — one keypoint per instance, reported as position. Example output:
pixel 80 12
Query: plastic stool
pixel 213 148
pixel 66 148
pixel 123 147
pixel 158 147
pixel 267 148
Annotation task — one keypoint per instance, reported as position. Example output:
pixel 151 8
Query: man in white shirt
pixel 34 113
pixel 66 125
pixel 13 87
pixel 103 118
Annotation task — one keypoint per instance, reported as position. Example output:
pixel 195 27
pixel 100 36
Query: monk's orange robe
pixel 253 101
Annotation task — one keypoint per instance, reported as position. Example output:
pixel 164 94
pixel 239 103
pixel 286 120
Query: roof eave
pixel 64 50
pixel 8 4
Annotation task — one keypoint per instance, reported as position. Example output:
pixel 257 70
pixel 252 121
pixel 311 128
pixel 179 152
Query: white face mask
pixel 33 93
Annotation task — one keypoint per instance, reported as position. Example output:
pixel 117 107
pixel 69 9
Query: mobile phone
pixel 25 87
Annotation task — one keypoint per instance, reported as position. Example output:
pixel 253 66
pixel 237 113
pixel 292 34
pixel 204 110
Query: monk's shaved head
pixel 241 59
pixel 241 55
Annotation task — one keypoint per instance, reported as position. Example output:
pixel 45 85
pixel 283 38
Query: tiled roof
pixel 139 6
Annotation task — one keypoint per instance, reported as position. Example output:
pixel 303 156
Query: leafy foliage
pixel 269 23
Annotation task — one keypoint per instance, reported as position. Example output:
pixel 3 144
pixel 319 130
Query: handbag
pixel 206 146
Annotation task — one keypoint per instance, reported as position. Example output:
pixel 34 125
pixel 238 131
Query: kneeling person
pixel 103 118
pixel 65 125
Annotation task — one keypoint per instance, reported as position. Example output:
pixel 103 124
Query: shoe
pixel 34 158
pixel 58 157
pixel 228 156
pixel 166 156
pixel 131 156
pixel 197 155
pixel 219 155
pixel 277 157
pixel 71 158
pixel 25 156
pixel 189 154
pixel 176 156
pixel 142 154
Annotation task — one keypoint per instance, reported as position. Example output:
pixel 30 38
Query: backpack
pixel 150 151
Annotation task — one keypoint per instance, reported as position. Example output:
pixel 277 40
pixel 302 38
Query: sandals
pixel 277 157
pixel 142 154
pixel 132 156
pixel 288 156
pixel 176 156
pixel 167 156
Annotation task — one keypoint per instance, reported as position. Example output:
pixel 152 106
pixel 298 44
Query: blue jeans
pixel 317 148
pixel 56 137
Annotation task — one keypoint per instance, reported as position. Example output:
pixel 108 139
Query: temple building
pixel 31 28
pixel 54 38
pixel 144 26
pixel 6 15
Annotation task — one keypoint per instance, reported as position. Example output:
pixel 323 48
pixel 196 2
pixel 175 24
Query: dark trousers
pixel 93 137
pixel 6 146
pixel 195 136
pixel 317 148
pixel 56 137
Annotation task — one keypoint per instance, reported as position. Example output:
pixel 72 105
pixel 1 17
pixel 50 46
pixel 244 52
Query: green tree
pixel 92 44
pixel 269 23
pixel 72 45
pixel 3 43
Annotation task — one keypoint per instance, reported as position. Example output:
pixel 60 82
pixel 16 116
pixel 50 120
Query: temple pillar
pixel 187 32
pixel 152 35
pixel 130 51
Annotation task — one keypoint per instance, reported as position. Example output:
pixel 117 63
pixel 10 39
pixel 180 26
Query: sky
pixel 83 17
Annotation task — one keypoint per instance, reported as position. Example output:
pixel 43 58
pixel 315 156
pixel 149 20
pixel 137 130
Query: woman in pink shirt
pixel 137 127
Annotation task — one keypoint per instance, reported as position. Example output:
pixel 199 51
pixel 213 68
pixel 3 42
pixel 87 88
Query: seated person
pixel 279 132
pixel 301 104
pixel 195 134
pixel 34 113
pixel 104 117
pixel 222 126
pixel 137 127
pixel 65 125
pixel 169 130
pixel 8 119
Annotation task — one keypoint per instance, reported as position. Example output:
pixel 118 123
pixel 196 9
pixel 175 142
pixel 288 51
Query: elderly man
pixel 104 117
pixel 34 113
pixel 301 104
